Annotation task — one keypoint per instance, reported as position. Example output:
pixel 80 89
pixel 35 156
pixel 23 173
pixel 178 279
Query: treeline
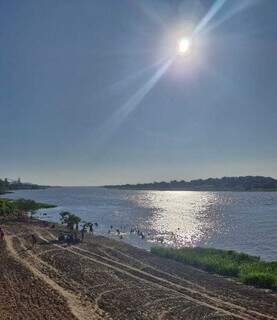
pixel 247 183
pixel 7 186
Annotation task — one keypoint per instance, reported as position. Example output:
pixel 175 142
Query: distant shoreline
pixel 8 185
pixel 202 190
pixel 239 184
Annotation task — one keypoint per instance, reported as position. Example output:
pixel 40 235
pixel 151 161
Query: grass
pixel 25 204
pixel 245 268
pixel 10 207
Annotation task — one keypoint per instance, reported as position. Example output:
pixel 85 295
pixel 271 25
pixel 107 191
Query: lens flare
pixel 184 46
pixel 107 129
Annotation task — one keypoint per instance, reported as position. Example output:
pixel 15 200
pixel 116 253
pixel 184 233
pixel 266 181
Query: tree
pixel 6 207
pixel 70 220
pixel 3 188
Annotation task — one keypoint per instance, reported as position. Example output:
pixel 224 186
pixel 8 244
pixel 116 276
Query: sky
pixel 92 92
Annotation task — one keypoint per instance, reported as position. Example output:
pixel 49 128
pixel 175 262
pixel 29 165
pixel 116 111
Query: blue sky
pixel 67 68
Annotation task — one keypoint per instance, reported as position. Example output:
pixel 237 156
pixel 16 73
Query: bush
pixel 29 205
pixel 20 207
pixel 260 280
pixel 248 269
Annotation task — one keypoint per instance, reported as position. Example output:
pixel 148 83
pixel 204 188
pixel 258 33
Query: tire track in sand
pixel 212 303
pixel 175 278
pixel 75 305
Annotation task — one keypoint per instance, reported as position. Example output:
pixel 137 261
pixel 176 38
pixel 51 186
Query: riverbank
pixel 240 266
pixel 25 295
pixel 10 207
pixel 106 279
pixel 243 221
pixel 237 184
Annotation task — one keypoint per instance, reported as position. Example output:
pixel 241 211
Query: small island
pixel 241 183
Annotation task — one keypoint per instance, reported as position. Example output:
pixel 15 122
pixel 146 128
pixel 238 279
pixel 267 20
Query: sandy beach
pixel 106 279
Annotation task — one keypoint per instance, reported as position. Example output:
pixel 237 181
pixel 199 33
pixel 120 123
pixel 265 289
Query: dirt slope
pixel 25 296
pixel 105 279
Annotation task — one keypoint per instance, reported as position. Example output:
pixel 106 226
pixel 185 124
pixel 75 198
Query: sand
pixel 107 279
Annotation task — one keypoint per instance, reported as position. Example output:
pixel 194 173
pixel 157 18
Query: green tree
pixel 2 186
pixel 70 220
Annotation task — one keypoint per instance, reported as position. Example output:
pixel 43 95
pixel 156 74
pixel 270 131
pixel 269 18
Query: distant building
pixel 18 181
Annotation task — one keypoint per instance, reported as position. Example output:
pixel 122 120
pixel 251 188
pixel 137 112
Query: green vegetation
pixel 247 269
pixel 4 186
pixel 8 186
pixel 248 183
pixel 28 205
pixel 70 220
pixel 20 207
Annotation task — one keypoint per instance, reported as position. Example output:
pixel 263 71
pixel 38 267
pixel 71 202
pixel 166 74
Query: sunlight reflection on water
pixel 244 221
pixel 181 218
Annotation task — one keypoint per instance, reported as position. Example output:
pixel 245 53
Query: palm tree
pixel 76 221
pixel 70 220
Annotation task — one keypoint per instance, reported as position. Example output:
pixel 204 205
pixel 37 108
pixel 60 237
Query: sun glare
pixel 184 45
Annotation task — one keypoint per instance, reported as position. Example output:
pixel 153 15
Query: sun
pixel 184 46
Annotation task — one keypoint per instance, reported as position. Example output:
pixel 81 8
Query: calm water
pixel 244 221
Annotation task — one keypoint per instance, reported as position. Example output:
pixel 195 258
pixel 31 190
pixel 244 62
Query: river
pixel 243 221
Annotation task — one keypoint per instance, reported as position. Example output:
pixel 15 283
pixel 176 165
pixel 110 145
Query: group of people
pixel 68 237
pixel 72 237
pixel 88 227
pixel 119 231
pixel 138 232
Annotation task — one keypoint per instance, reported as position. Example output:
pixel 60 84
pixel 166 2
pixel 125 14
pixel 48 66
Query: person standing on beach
pixel 91 228
pixel 75 236
pixel 34 240
pixel 83 234
pixel 2 234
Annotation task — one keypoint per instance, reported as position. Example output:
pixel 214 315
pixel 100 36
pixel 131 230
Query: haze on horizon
pixel 86 97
